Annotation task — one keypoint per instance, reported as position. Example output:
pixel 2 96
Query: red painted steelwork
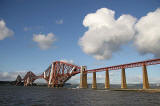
pixel 59 72
pixel 62 72
pixel 129 65
pixel 29 78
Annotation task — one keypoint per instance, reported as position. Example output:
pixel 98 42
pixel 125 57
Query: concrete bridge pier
pixel 107 86
pixel 83 78
pixel 94 84
pixel 123 79
pixel 145 77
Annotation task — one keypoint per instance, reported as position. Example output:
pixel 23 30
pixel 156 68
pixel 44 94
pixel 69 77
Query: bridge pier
pixel 145 77
pixel 123 79
pixel 83 78
pixel 94 84
pixel 107 86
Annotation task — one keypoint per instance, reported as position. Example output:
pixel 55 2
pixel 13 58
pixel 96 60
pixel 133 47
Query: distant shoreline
pixel 100 86
pixel 7 82
pixel 3 83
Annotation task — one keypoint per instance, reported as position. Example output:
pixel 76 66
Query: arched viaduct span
pixel 59 72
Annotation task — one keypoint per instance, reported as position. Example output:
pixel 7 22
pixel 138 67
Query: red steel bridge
pixel 55 75
pixel 59 72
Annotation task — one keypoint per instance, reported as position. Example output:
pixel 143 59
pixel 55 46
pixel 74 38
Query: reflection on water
pixel 43 96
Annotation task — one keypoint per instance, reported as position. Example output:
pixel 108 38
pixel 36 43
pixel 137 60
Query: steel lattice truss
pixel 129 65
pixel 56 74
pixel 29 78
pixel 59 72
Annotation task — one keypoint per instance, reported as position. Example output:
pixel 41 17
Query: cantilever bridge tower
pixel 55 75
pixel 59 72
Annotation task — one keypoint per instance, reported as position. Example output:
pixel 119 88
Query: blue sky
pixel 64 19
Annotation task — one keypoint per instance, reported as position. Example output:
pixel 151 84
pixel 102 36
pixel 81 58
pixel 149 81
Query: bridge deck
pixel 129 65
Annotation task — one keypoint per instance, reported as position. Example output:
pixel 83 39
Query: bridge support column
pixel 94 84
pixel 145 77
pixel 123 79
pixel 107 86
pixel 83 78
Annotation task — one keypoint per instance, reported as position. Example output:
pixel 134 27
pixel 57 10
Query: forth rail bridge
pixel 59 72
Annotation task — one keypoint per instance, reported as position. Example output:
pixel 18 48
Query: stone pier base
pixel 83 78
pixel 145 77
pixel 123 79
pixel 107 86
pixel 94 84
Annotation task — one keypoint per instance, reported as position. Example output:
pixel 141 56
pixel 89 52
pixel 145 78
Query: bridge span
pixel 59 72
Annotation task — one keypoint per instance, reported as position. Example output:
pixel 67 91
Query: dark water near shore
pixel 43 96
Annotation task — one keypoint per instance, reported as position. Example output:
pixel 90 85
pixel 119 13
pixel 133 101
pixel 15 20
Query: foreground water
pixel 43 96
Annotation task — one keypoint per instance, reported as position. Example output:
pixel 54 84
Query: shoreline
pixel 153 90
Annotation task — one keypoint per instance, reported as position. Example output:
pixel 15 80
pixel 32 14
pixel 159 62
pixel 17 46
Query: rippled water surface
pixel 43 96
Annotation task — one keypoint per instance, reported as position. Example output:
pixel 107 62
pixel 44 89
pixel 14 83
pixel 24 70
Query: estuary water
pixel 43 96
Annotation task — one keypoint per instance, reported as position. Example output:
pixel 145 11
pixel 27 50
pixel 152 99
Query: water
pixel 43 96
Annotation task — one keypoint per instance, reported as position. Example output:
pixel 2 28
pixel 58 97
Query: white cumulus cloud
pixel 148 33
pixel 106 34
pixel 44 41
pixel 4 31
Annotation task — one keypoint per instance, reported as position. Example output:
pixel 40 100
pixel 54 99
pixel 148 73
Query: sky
pixel 94 33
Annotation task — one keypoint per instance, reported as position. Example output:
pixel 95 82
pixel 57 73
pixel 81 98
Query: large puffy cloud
pixel 44 41
pixel 148 33
pixel 105 34
pixel 4 31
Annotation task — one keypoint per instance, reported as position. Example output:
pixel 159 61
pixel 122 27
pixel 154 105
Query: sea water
pixel 43 96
